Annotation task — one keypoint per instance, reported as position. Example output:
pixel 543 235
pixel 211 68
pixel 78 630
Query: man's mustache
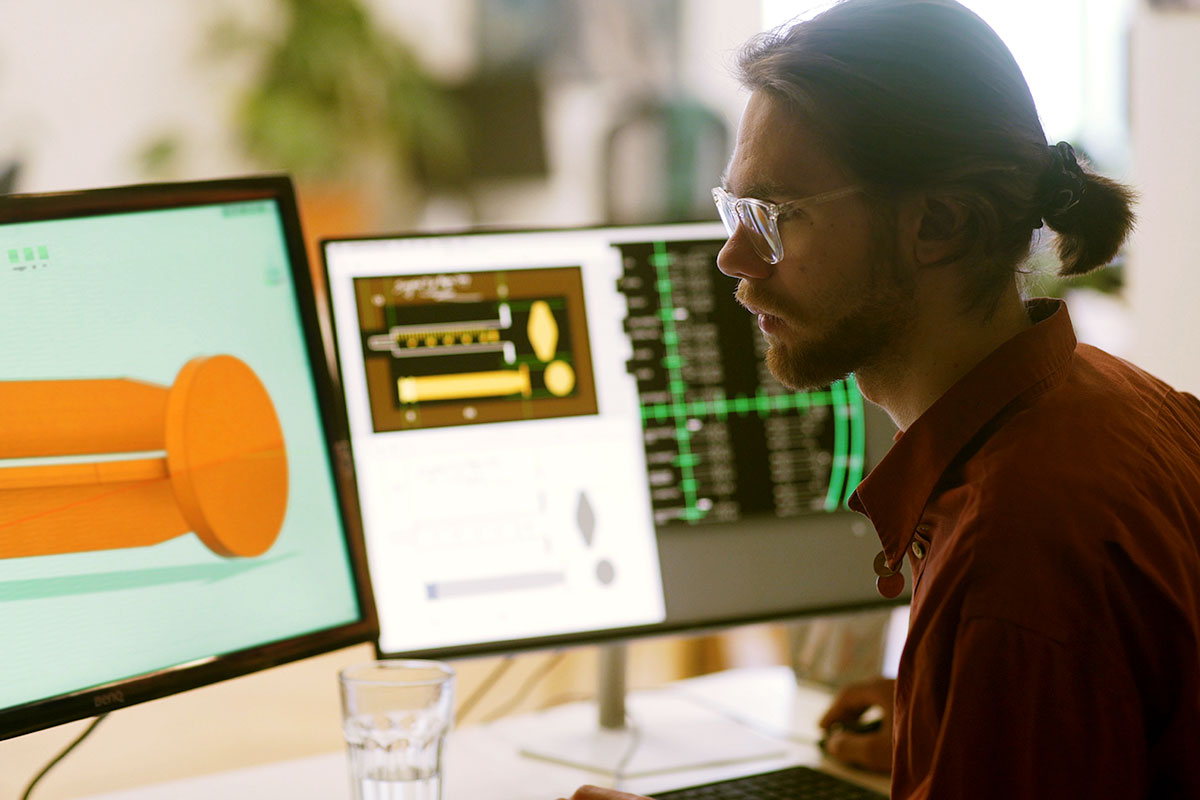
pixel 760 301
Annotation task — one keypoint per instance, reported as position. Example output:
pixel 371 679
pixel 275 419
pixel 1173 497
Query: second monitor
pixel 571 435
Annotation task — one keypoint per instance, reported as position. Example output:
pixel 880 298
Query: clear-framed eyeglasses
pixel 761 219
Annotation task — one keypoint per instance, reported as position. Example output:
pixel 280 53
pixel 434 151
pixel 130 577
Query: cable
pixel 488 682
pixel 62 755
pixel 635 741
pixel 528 686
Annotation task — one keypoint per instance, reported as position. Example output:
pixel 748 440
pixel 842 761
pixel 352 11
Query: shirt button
pixel 918 550
pixel 924 527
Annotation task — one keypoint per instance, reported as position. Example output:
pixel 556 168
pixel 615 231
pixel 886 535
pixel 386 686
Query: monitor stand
pixel 663 731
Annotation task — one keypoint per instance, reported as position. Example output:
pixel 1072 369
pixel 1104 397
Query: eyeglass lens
pixel 756 219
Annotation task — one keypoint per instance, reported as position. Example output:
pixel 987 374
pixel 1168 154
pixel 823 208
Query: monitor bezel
pixel 669 627
pixel 49 712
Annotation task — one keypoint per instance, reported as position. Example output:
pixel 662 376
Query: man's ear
pixel 941 229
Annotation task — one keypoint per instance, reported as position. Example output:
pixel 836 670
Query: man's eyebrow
pixel 762 190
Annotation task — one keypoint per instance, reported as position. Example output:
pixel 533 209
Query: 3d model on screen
pixel 223 476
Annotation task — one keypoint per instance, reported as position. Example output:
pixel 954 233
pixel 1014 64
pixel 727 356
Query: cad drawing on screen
pixel 222 472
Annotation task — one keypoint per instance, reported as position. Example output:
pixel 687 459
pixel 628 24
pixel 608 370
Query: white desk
pixel 483 762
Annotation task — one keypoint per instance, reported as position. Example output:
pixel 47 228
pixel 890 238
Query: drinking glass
pixel 395 715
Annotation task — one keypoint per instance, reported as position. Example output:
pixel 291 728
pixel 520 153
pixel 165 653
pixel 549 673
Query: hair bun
pixel 1062 185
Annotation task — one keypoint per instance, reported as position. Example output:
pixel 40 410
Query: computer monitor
pixel 171 504
pixel 570 436
pixel 566 436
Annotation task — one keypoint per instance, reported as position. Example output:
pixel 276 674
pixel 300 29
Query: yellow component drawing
pixel 495 383
pixel 560 378
pixel 447 348
pixel 543 330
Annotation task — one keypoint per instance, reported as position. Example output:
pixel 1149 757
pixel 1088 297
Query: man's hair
pixel 921 95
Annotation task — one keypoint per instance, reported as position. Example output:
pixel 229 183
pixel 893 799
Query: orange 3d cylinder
pixel 223 475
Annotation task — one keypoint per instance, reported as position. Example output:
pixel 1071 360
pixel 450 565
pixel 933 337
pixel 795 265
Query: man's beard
pixel 858 338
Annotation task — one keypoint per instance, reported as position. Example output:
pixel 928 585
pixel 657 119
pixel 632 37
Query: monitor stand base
pixel 661 733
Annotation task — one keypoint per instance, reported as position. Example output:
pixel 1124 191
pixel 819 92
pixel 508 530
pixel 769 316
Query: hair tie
pixel 1062 184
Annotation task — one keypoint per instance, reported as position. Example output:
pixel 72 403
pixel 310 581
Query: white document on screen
pixel 497 438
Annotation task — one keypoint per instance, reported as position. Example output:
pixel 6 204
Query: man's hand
pixel 844 740
pixel 597 793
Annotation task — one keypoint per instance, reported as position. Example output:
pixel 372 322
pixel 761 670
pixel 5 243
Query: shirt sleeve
pixel 1026 716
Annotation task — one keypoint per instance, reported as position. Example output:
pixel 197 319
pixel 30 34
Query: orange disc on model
pixel 226 456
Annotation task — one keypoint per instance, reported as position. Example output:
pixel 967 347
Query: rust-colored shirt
pixel 1049 506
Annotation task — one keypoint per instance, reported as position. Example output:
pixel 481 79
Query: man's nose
pixel 738 259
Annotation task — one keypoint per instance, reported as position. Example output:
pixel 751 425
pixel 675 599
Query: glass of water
pixel 395 715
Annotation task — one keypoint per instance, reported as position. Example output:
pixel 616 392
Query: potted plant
pixel 348 110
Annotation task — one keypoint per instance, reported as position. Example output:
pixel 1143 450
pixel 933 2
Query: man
pixel 889 174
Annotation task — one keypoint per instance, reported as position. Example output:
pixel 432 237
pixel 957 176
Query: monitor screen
pixel 170 511
pixel 571 435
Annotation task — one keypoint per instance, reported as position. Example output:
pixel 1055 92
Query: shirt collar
pixel 894 495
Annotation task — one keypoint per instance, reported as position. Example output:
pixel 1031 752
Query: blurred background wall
pixel 443 114
pixel 398 115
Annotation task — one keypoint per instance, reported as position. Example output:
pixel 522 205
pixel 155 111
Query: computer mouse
pixel 858 726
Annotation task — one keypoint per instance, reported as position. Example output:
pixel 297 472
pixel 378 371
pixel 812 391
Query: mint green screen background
pixel 137 295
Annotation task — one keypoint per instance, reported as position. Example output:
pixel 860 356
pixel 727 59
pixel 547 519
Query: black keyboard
pixel 792 783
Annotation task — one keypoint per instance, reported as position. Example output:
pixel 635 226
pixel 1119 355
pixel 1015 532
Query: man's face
pixel 840 298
